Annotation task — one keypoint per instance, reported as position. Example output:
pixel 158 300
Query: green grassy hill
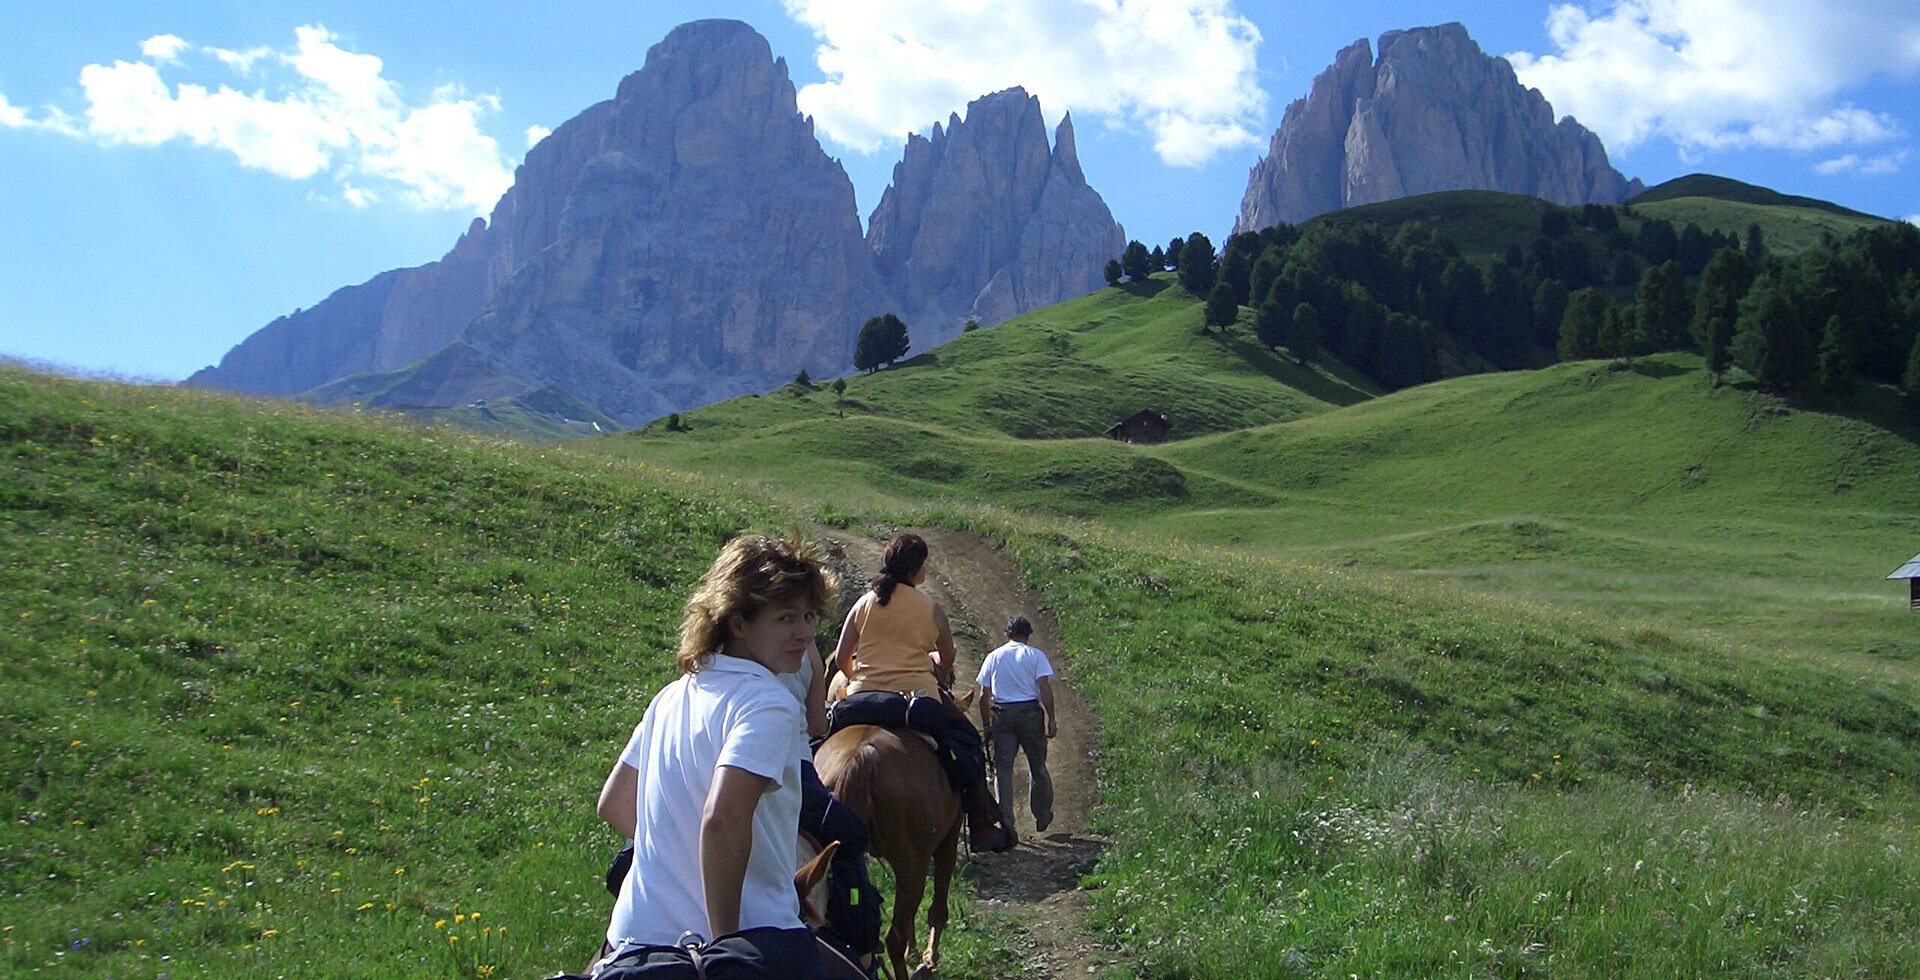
pixel 1481 223
pixel 1066 372
pixel 1643 491
pixel 286 692
pixel 280 689
pixel 1788 224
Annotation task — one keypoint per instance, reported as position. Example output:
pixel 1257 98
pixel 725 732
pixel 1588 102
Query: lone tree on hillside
pixel 1134 260
pixel 1197 266
pixel 1221 309
pixel 883 340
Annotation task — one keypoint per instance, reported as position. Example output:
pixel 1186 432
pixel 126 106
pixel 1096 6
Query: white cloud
pixel 1725 74
pixel 12 116
pixel 1912 219
pixel 163 48
pixel 1182 70
pixel 537 133
pixel 1853 163
pixel 321 110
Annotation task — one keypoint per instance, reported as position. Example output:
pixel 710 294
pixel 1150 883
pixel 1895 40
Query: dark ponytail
pixel 899 563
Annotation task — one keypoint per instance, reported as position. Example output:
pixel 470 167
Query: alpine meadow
pixel 1475 564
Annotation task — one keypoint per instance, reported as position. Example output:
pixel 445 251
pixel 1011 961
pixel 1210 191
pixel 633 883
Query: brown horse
pixel 892 779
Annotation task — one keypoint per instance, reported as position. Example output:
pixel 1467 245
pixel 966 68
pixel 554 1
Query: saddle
pixel 956 746
pixel 914 712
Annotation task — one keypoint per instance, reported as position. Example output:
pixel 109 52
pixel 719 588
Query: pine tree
pixel 1769 340
pixel 1221 309
pixel 1236 271
pixel 1174 248
pixel 1197 265
pixel 1134 261
pixel 1664 307
pixel 1719 344
pixel 1265 270
pixel 1580 325
pixel 882 340
pixel 1611 339
pixel 1303 334
pixel 1839 353
pixel 803 379
pixel 1271 322
pixel 1113 272
pixel 1727 277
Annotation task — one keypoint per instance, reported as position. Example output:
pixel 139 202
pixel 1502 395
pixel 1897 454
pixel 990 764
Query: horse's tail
pixel 857 779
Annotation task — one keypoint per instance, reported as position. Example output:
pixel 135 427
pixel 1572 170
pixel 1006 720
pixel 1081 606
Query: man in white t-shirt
pixel 1016 715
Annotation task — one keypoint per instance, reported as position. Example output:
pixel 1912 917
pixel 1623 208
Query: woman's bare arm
pixel 619 799
pixel 726 841
pixel 849 638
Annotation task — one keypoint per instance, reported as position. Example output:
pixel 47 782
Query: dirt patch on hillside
pixel 1038 883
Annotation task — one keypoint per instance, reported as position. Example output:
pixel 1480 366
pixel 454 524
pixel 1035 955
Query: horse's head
pixel 811 884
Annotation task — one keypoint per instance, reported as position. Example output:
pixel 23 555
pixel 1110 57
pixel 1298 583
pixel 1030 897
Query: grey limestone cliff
pixel 1431 113
pixel 707 246
pixel 984 220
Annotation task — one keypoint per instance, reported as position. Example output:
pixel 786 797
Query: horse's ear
pixel 812 873
pixel 967 702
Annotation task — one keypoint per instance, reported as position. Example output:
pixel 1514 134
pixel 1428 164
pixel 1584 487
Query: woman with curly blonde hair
pixel 709 785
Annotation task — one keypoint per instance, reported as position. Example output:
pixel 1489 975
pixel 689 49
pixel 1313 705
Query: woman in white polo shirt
pixel 708 787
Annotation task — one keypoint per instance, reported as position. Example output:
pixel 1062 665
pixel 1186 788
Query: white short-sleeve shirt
pixel 1013 672
pixel 732 712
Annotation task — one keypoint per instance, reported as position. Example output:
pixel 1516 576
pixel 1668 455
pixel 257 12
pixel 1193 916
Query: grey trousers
pixel 1022 728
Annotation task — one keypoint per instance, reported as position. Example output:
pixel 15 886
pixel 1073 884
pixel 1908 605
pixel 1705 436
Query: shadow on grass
pixel 1144 290
pixel 1658 369
pixel 1285 370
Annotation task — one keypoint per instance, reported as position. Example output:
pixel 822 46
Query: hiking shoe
pixel 995 840
pixel 1042 821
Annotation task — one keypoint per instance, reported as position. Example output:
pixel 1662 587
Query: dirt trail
pixel 1037 883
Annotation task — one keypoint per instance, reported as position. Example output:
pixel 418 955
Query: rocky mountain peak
pixel 688 240
pixel 985 220
pixel 1432 113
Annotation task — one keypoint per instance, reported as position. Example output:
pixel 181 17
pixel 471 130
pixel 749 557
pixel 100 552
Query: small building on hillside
pixel 1911 572
pixel 1142 426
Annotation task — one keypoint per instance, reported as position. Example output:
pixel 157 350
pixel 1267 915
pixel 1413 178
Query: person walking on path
pixel 1016 715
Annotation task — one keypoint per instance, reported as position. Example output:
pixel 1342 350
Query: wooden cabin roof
pixel 1144 415
pixel 1910 570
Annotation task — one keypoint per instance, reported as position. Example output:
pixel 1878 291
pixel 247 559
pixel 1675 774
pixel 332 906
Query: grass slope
pixel 282 690
pixel 1068 371
pixel 292 693
pixel 1728 189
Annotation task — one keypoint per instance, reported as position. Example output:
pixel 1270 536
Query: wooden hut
pixel 1911 572
pixel 1142 426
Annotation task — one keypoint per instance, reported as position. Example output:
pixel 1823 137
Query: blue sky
pixel 175 176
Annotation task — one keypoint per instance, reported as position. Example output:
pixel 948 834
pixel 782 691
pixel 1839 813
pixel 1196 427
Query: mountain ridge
pixel 689 240
pixel 1431 113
